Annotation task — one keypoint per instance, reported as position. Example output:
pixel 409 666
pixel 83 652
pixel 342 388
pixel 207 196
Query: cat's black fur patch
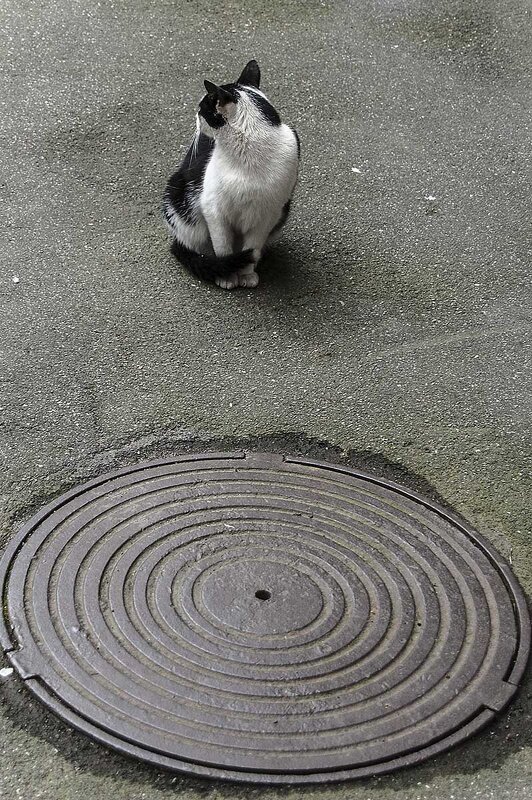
pixel 207 109
pixel 217 94
pixel 265 107
pixel 210 267
pixel 184 184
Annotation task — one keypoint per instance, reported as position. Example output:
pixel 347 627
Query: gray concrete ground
pixel 393 327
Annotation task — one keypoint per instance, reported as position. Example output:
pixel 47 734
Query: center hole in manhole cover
pixel 392 631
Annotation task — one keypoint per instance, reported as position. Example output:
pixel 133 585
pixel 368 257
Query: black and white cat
pixel 231 195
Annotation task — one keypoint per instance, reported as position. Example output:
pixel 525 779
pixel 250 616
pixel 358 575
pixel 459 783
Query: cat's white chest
pixel 245 193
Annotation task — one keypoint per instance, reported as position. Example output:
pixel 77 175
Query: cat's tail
pixel 210 267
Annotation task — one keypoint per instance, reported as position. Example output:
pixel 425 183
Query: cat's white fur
pixel 248 180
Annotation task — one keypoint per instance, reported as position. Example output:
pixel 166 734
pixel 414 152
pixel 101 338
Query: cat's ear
pixel 222 95
pixel 250 75
pixel 211 87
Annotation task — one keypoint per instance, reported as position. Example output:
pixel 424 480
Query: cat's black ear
pixel 211 87
pixel 250 75
pixel 224 96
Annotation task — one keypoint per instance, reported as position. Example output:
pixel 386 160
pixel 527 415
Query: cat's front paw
pixel 248 279
pixel 228 281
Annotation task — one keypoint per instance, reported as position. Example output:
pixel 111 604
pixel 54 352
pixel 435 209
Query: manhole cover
pixel 251 617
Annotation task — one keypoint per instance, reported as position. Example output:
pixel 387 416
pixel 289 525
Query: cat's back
pixel 192 169
pixel 185 185
pixel 193 166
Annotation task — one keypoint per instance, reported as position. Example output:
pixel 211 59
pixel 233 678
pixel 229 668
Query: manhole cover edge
pixel 38 687
pixel 128 749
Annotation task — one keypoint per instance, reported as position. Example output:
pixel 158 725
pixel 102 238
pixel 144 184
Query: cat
pixel 231 195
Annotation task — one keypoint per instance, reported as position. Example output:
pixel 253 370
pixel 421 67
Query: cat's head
pixel 237 104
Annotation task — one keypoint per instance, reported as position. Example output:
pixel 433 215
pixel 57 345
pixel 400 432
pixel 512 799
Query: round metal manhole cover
pixel 260 618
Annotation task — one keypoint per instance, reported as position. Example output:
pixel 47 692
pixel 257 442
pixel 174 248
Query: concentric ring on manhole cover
pixel 251 617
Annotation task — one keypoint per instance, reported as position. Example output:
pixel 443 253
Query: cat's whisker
pixel 195 140
pixel 195 145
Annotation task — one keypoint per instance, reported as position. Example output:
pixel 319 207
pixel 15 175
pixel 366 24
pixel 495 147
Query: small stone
pixel 6 672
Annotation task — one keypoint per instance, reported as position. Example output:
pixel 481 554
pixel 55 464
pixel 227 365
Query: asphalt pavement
pixel 391 328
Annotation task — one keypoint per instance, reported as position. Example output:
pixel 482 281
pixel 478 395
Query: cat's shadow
pixel 285 272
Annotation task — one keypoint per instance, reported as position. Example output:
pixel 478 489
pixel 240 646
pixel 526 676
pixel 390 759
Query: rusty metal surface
pixel 262 619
